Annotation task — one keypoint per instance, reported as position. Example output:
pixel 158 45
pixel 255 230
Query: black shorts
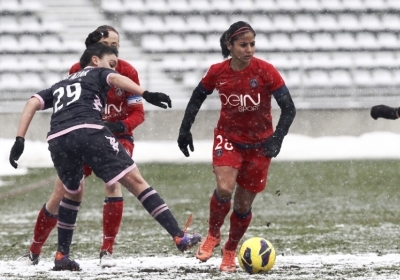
pixel 97 148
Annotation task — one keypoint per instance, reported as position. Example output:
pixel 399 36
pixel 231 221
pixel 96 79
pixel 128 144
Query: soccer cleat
pixel 64 262
pixel 106 259
pixel 188 240
pixel 29 258
pixel 228 263
pixel 205 250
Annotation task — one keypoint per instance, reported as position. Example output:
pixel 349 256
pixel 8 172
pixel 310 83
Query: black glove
pixel 185 139
pixel 272 146
pixel 115 127
pixel 17 150
pixel 383 111
pixel 157 99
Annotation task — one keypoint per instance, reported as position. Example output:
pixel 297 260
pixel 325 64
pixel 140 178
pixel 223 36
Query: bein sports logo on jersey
pixel 244 102
pixel 113 143
pixel 113 107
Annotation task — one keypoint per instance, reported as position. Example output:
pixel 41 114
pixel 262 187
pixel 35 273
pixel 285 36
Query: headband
pixel 239 31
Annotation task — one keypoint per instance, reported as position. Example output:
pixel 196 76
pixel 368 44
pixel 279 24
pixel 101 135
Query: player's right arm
pixel 155 98
pixel 185 138
pixel 385 112
pixel 26 117
pixel 199 95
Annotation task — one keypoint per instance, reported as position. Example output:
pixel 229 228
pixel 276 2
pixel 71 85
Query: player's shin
pixel 45 223
pixel 219 208
pixel 238 226
pixel 112 216
pixel 67 215
pixel 159 210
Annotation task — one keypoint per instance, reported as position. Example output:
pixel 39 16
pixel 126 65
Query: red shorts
pixel 252 165
pixel 128 145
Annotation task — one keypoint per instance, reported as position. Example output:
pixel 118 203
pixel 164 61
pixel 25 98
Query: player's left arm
pixel 288 111
pixel 135 116
pixel 26 117
pixel 273 144
pixel 282 96
pixel 135 110
pixel 156 98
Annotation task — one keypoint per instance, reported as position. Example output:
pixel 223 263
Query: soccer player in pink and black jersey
pixel 123 113
pixel 244 139
pixel 78 136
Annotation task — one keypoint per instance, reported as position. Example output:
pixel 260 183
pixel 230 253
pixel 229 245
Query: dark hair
pixel 98 50
pixel 100 32
pixel 232 34
pixel 103 28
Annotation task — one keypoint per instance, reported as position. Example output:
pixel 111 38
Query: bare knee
pixel 224 191
pixel 134 182
pixel 113 190
pixel 74 196
pixel 226 181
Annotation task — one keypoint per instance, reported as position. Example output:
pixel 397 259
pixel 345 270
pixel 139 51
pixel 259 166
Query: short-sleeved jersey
pixel 77 100
pixel 122 105
pixel 245 99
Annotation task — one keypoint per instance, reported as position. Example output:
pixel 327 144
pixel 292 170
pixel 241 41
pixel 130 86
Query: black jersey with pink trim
pixel 77 100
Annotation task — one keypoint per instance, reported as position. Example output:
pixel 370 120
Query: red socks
pixel 238 222
pixel 239 225
pixel 45 223
pixel 219 208
pixel 112 216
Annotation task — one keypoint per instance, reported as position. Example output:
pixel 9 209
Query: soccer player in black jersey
pixel 78 136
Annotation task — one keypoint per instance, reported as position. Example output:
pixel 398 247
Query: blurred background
pixel 338 57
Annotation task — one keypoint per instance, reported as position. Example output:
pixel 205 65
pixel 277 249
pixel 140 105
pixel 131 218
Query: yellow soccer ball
pixel 256 254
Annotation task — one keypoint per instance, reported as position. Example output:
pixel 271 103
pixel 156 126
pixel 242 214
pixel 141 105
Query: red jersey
pixel 245 99
pixel 121 105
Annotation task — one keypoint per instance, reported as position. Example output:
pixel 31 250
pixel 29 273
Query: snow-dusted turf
pixel 369 266
pixel 173 265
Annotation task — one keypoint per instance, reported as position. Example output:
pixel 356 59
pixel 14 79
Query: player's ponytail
pixel 101 32
pixel 103 28
pixel 230 35
pixel 224 48
pixel 95 37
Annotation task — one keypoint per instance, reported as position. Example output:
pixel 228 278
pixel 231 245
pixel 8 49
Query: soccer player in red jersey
pixel 244 139
pixel 123 113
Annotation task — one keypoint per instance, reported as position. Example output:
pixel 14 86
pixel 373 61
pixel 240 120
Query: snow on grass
pixel 366 266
